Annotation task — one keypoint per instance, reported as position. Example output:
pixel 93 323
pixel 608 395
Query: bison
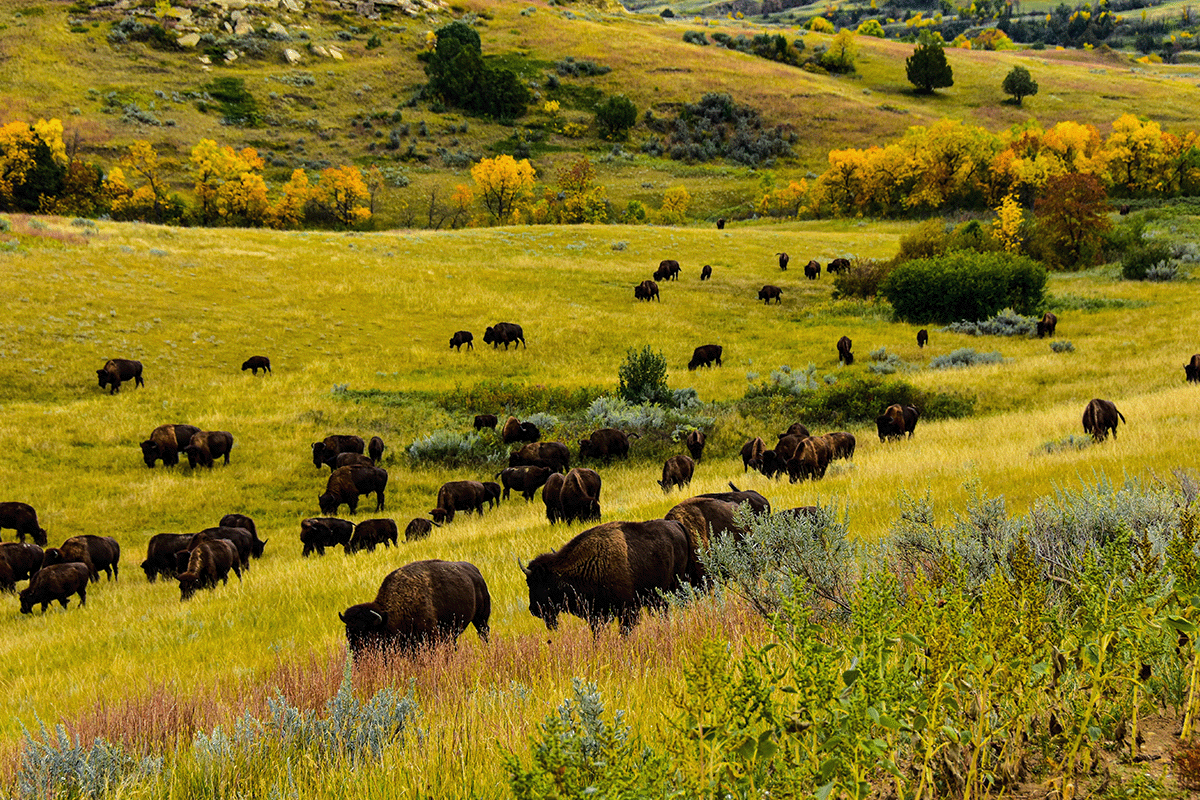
pixel 606 443
pixel 526 480
pixel 418 528
pixel 552 497
pixel 922 337
pixel 347 483
pixel 23 559
pixel 116 370
pixel 721 223
pixel 841 444
pixel 668 270
pixel 579 498
pixel 752 453
pixel 838 265
pixel 55 582
pixel 485 421
pixel 783 260
pixel 23 519
pixel 372 532
pixel 705 272
pixel 1192 369
pixel 419 605
pixel 207 446
pixel 166 442
pixel 911 415
pixel 327 449
pixel 504 333
pixel 554 455
pixel 812 270
pixel 241 539
pixel 96 552
pixel 609 571
pixel 795 429
pixel 769 293
pixel 646 290
pixel 516 431
pixel 843 347
pixel 160 554
pixel 710 515
pixel 704 356
pixel 891 423
pixel 460 338
pixel 455 496
pixel 810 460
pixel 1100 417
pixel 208 562
pixel 255 363
pixel 677 471
pixel 1046 325
pixel 694 442
pixel 317 533
pixel 375 449
pixel 349 460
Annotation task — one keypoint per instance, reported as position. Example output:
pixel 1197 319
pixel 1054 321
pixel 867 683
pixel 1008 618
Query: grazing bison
pixel 841 444
pixel 317 533
pixel 418 528
pixel 911 414
pixel 710 515
pixel 347 483
pixel 552 497
pixel 843 347
pixel 783 260
pixel 116 370
pixel 891 423
pixel 485 421
pixel 23 518
pixel 97 552
pixel 455 496
pixel 704 356
pixel 606 443
pixel 1046 325
pixel 208 562
pixel 375 449
pixel 206 446
pixel 460 338
pixel 420 605
pixel 504 333
pixel 554 455
pixel 838 265
pixel 23 559
pixel 517 431
pixel 349 460
pixel 328 449
pixel 668 270
pixel 677 471
pixel 255 363
pixel 769 293
pixel 922 337
pixel 811 460
pixel 694 442
pixel 166 442
pixel 1100 417
pixel 796 429
pixel 609 571
pixel 579 498
pixel 55 582
pixel 241 539
pixel 1192 369
pixel 812 270
pixel 160 554
pixel 372 532
pixel 721 224
pixel 752 453
pixel 491 493
pixel 705 272
pixel 526 480
pixel 646 290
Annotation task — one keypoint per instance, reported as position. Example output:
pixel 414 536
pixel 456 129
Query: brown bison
pixel 485 421
pixel 554 455
pixel 911 415
pixel 23 519
pixel 1100 417
pixel 255 363
pixel 241 539
pixel 705 272
pixel 841 444
pixel 838 265
pixel 843 347
pixel 526 480
pixel 96 552
pixel 455 496
pixel 668 270
pixel 891 423
pixel 207 446
pixel 418 528
pixel 922 337
pixel 769 293
pixel 327 449
pixel 349 460
pixel 812 270
pixel 517 431
pixel 711 515
pixel 242 521
pixel 810 460
pixel 116 370
pixel 347 483
pixel 491 493
pixel 677 471
pixel 552 497
pixel 752 452
pixel 609 571
pixel 317 533
pixel 694 442
pixel 375 449
pixel 579 498
pixel 646 290
pixel 23 559
pixel 783 260
pixel 504 333
pixel 460 338
pixel 208 562
pixel 606 443
pixel 160 554
pixel 1192 369
pixel 796 429
pixel 372 532
pixel 704 356
pixel 420 605
pixel 1046 325
pixel 55 582
pixel 721 224
pixel 166 442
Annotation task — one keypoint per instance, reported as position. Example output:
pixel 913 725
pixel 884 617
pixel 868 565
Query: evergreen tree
pixel 927 67
pixel 1020 84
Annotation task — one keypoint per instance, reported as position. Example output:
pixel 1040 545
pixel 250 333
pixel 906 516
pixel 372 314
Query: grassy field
pixel 376 310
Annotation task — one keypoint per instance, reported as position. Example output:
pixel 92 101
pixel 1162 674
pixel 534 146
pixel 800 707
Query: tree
pixel 289 209
pixel 643 377
pixel 458 75
pixel 927 67
pixel 842 50
pixel 229 183
pixel 1019 83
pixel 150 200
pixel 1072 218
pixel 502 181
pixel 615 116
pixel 33 164
pixel 343 193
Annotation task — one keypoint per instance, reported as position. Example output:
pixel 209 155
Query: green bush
pixel 964 285
pixel 853 399
pixel 238 106
pixel 862 279
pixel 643 377
pixel 615 116
pixel 459 76
pixel 1137 261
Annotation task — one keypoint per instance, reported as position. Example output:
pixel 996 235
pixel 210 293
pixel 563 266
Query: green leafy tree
pixel 615 116
pixel 458 75
pixel 1019 84
pixel 1072 220
pixel 643 377
pixel 927 67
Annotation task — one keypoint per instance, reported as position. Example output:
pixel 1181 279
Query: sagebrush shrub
pixel 643 377
pixel 1006 323
pixel 964 357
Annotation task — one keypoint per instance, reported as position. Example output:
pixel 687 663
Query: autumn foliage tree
pixel 33 164
pixel 1072 218
pixel 501 182
pixel 151 201
pixel 343 195
pixel 228 184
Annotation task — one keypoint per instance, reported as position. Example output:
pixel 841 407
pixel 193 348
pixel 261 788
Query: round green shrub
pixel 964 285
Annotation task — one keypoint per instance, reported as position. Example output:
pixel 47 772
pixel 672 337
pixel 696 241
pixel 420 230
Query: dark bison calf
pixel 116 370
pixel 375 449
pixel 160 554
pixel 694 442
pixel 922 337
pixel 704 356
pixel 419 605
pixel 769 293
pixel 1100 417
pixel 843 347
pixel 22 518
pixel 1046 325
pixel 705 272
pixel 1192 369
pixel 485 421
pixel 677 471
pixel 255 363
pixel 55 582
pixel 418 528
pixel 460 338
pixel 207 446
pixel 317 533
pixel 208 562
pixel 783 260
pixel 372 532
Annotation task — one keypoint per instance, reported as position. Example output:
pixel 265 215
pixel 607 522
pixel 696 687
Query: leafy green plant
pixel 615 116
pixel 964 285
pixel 643 377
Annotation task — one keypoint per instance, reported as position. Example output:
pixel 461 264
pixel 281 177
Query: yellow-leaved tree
pixel 675 204
pixel 288 210
pixel 228 183
pixel 1136 156
pixel 33 162
pixel 501 183
pixel 343 194
pixel 1007 226
pixel 149 201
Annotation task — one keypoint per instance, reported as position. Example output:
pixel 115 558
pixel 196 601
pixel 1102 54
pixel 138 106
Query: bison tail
pixel 635 436
pixel 1122 416
pixel 734 488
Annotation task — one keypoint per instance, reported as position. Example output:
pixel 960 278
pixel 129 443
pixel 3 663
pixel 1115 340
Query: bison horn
pixel 341 616
pixel 524 568
pixel 378 619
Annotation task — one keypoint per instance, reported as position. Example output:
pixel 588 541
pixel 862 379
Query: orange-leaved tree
pixel 502 182
pixel 289 209
pixel 33 163
pixel 229 183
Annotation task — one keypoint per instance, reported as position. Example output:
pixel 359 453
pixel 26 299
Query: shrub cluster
pixel 964 285
pixel 1137 261
pixel 569 67
pixel 852 399
pixel 717 127
pixel 964 357
pixel 885 363
pixel 1006 323
pixel 455 449
pixel 459 76
pixel 862 279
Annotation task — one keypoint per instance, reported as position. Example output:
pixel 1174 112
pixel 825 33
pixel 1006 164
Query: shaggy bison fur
pixel 752 453
pixel 117 370
pixel 327 449
pixel 207 446
pixel 55 582
pixel 704 356
pixel 347 483
pixel 166 442
pixel 1100 417
pixel 96 552
pixel 22 518
pixel 160 554
pixel 317 533
pixel 554 455
pixel 418 528
pixel 208 562
pixel 372 532
pixel 677 471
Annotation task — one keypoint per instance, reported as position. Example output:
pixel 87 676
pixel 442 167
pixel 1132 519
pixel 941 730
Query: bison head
pixel 150 452
pixel 489 335
pixel 150 569
pixel 193 454
pixel 103 376
pixel 247 364
pixel 329 503
pixel 52 555
pixel 39 537
pixel 585 449
pixel 188 583
pixel 366 627
pixel 27 600
pixel 318 449
pixel 548 594
pixel 256 547
pixel 441 515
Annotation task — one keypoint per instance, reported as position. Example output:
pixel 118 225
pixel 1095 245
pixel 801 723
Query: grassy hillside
pixel 365 311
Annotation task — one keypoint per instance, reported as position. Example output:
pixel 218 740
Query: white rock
pixel 320 50
pixel 243 28
pixel 292 6
pixel 335 54
pixel 277 30
pixel 190 40
pixel 230 56
pixel 205 60
pixel 292 56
